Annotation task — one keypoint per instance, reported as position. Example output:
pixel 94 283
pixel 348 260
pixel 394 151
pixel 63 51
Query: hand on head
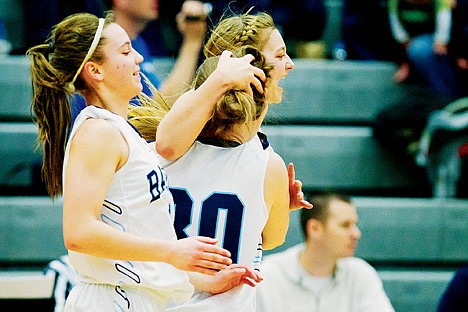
pixel 240 72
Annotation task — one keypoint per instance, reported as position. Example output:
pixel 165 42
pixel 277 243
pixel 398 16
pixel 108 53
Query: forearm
pixel 101 240
pixel 183 72
pixel 186 119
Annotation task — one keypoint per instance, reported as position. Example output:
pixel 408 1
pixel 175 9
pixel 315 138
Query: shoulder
pixel 276 166
pixel 357 269
pixel 354 263
pixel 98 136
pixel 282 257
pixel 96 129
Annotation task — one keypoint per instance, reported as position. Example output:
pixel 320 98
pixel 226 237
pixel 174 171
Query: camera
pixel 207 8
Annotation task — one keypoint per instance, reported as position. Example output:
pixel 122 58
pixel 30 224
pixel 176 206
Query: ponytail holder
pixel 70 87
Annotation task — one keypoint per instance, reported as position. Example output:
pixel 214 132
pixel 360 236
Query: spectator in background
pixel 365 31
pixel 423 28
pixel 398 128
pixel 299 21
pixel 459 42
pixel 134 16
pixel 321 274
pixel 5 45
pixel 455 296
pixel 40 15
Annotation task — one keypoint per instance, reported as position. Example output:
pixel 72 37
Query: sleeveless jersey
pixel 218 192
pixel 139 202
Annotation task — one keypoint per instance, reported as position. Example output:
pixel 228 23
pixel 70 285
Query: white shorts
pixel 86 297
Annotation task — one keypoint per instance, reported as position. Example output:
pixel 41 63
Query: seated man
pixel 321 274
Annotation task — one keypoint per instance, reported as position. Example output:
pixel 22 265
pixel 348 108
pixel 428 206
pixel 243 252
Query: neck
pixel 240 134
pixel 316 262
pixel 111 104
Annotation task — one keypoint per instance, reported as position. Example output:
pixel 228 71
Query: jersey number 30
pixel 209 217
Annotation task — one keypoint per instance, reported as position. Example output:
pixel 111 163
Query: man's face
pixel 144 10
pixel 340 233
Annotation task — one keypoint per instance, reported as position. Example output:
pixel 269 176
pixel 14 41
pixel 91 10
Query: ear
pixel 93 71
pixel 313 227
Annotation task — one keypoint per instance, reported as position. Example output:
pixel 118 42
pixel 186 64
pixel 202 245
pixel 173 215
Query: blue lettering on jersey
pixel 210 210
pixel 157 183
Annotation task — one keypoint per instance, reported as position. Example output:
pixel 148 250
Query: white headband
pixel 92 48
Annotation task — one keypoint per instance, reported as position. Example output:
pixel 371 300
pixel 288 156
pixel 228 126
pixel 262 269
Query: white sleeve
pixel 443 26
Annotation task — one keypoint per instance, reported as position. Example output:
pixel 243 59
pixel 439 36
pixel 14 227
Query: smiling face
pixel 121 63
pixel 275 54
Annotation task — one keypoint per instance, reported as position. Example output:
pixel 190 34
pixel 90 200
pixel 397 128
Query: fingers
pixel 255 81
pixel 306 204
pixel 210 258
pixel 291 173
pixel 224 55
pixel 241 72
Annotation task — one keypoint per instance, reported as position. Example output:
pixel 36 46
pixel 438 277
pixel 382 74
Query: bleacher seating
pixel 337 92
pixel 340 157
pixel 31 230
pixel 18 154
pixel 15 89
pixel 401 230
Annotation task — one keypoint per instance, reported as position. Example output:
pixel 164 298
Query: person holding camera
pixel 135 15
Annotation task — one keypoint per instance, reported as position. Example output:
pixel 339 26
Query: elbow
pixel 167 152
pixel 269 244
pixel 74 241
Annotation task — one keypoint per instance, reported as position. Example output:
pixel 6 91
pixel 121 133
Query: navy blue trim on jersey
pixel 218 142
pixel 263 139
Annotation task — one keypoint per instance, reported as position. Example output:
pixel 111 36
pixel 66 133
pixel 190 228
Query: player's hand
pixel 234 275
pixel 200 254
pixel 239 73
pixel 296 196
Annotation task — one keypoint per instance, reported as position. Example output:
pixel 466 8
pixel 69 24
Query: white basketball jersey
pixel 139 202
pixel 219 192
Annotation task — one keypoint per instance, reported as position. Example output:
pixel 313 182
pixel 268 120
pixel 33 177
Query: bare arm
pixel 92 163
pixel 193 33
pixel 189 114
pixel 277 198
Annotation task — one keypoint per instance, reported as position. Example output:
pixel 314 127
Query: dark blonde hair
pixel 53 66
pixel 238 30
pixel 234 107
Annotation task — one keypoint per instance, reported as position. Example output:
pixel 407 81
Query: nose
pixel 356 232
pixel 138 57
pixel 289 63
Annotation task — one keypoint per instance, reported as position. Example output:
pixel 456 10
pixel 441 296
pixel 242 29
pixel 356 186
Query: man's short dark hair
pixel 321 202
